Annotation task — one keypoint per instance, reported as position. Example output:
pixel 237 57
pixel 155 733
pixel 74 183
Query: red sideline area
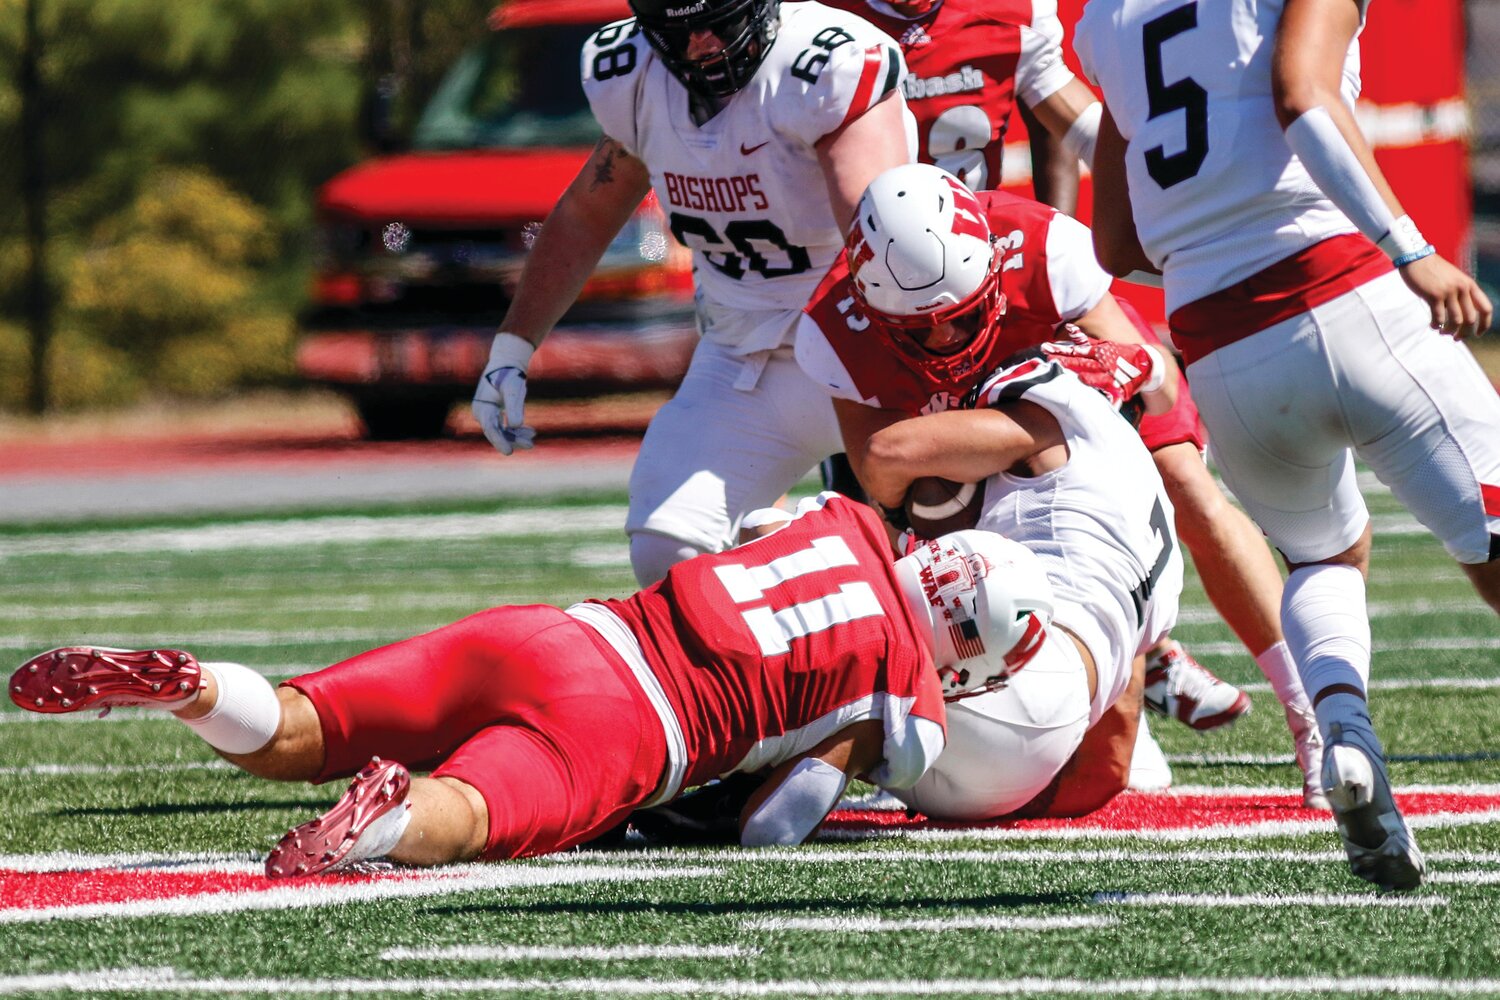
pixel 1145 812
pixel 45 890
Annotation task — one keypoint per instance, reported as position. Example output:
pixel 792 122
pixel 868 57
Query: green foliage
pixel 154 112
pixel 169 284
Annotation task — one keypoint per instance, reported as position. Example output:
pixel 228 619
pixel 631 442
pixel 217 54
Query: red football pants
pixel 527 705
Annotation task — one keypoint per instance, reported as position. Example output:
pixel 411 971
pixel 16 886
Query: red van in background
pixel 418 253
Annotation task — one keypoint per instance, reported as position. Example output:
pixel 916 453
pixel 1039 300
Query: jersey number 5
pixel 1163 98
pixel 775 630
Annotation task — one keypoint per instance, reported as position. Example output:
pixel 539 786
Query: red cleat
pixel 333 839
pixel 1180 687
pixel 77 678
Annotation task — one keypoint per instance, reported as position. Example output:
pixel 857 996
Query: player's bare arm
pixel 588 215
pixel 1054 171
pixel 855 154
pixel 857 423
pixel 568 246
pixel 1071 114
pixel 962 445
pixel 800 793
pixel 1306 70
pixel 1116 242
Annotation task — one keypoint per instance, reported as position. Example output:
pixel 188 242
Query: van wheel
pixel 389 419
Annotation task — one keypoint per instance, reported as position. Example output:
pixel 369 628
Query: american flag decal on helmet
pixel 966 640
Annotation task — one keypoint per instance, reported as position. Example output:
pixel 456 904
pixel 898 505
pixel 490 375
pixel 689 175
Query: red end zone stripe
pixel 38 890
pixel 1491 496
pixel 1138 811
pixel 874 60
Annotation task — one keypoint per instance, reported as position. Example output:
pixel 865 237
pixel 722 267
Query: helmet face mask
pixel 744 28
pixel 921 254
pixel 983 603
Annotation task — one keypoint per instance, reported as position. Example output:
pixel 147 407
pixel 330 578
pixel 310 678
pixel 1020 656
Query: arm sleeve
pixel 1078 282
pixel 615 96
pixel 794 809
pixel 1041 71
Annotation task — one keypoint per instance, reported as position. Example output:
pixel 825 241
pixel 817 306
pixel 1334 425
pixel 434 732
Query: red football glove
pixel 1117 370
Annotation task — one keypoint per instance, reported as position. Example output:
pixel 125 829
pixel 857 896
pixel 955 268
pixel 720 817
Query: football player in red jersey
pixel 807 653
pixel 1041 272
pixel 970 63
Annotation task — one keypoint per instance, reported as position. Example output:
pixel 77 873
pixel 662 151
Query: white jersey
pixel 1101 524
pixel 1217 193
pixel 745 191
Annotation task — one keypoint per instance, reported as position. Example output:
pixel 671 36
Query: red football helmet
pixel 920 255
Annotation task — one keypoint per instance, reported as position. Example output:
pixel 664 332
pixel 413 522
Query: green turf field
pixel 1196 910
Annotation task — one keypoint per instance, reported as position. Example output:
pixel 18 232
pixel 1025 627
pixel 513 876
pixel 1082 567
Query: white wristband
pixel 510 351
pixel 1403 239
pixel 1083 134
pixel 1158 370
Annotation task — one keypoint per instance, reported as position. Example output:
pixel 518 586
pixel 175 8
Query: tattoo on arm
pixel 604 162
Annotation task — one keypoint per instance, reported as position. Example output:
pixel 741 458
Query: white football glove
pixel 500 398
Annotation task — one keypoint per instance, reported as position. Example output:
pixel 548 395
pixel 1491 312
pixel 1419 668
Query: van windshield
pixel 517 88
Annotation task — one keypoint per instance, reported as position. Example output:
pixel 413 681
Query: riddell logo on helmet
pixel 696 8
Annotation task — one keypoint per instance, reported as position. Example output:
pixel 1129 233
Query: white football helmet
pixel 921 253
pixel 983 602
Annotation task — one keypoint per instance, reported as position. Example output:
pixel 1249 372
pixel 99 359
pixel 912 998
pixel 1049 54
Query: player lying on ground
pixel 1305 302
pixel 919 322
pixel 808 653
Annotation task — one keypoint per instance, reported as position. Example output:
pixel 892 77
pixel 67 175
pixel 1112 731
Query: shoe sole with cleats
pixel 1380 846
pixel 324 843
pixel 78 678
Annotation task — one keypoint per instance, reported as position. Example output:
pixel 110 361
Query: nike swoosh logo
pixel 747 150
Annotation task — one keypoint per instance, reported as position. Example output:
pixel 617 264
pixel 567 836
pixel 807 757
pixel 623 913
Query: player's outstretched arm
pixel 855 154
pixel 1306 72
pixel 587 217
pixel 962 445
pixel 801 792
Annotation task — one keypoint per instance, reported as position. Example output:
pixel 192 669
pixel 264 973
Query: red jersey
pixel 968 61
pixel 766 650
pixel 1049 275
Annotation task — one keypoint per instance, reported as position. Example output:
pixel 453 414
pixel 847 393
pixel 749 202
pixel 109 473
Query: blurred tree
pixel 264 95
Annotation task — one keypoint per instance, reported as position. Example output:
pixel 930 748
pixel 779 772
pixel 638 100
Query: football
pixel 937 506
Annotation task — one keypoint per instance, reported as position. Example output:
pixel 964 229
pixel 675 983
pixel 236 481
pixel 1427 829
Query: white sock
pixel 381 837
pixel 1280 668
pixel 1328 632
pixel 247 714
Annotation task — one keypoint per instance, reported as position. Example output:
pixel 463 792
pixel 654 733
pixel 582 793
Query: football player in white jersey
pixel 757 124
pixel 1229 159
pixel 1070 480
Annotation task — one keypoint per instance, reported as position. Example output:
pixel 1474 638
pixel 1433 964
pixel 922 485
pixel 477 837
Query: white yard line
pixel 1439 643
pixel 564 953
pixel 293 895
pixel 338 530
pixel 1465 878
pixel 167 981
pixel 63 770
pixel 1225 900
pixel 883 925
pixel 823 854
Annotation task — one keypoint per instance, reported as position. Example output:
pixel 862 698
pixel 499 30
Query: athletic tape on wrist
pixel 510 351
pixel 1158 370
pixel 1083 135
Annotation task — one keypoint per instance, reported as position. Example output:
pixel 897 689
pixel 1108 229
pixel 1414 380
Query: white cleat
pixel 1380 846
pixel 1149 770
